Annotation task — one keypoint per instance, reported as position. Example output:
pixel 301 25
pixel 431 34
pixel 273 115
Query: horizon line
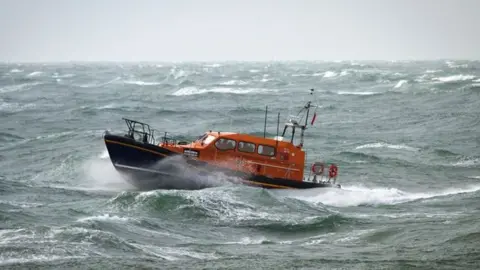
pixel 235 61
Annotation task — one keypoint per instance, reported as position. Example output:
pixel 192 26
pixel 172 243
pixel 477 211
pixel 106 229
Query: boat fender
pixel 332 171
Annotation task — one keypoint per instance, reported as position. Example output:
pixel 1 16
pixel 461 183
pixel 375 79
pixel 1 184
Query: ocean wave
pixel 142 83
pixel 387 145
pixel 329 74
pixel 454 78
pixel 13 107
pixel 18 87
pixel 35 74
pixel 349 196
pixel 234 82
pixel 467 162
pixel 308 225
pixel 187 91
pixel 5 137
pixel 359 93
pixel 400 83
pixel 356 156
pixel 95 85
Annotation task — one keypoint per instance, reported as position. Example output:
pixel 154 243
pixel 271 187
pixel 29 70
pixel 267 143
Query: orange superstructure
pixel 266 156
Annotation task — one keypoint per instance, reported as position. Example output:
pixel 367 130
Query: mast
pixel 295 124
pixel 304 127
pixel 265 124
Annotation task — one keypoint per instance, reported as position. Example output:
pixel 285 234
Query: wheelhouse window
pixel 208 139
pixel 266 150
pixel 246 147
pixel 225 144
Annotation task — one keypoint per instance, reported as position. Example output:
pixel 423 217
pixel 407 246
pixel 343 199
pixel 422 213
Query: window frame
pixel 226 139
pixel 208 139
pixel 248 152
pixel 265 145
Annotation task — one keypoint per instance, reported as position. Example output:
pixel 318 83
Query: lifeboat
pixel 219 157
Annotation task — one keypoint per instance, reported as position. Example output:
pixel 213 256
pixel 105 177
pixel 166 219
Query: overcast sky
pixel 218 30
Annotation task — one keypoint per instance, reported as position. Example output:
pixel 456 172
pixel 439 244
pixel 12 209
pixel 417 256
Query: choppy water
pixel 404 134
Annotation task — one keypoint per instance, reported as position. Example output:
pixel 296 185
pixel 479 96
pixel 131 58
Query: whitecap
pixel 191 90
pixel 234 82
pixel 357 93
pixel 142 83
pixel 104 217
pixel 471 162
pixel 18 87
pixel 349 196
pixel 400 83
pixel 329 74
pixel 35 74
pixel 386 145
pixel 454 78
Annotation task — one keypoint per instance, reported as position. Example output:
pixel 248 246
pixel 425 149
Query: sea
pixel 404 134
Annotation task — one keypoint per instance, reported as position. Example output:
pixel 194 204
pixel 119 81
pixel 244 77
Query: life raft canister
pixel 317 168
pixel 333 171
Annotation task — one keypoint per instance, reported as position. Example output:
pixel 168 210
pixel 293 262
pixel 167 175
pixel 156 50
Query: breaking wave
pixel 387 145
pixel 187 91
pixel 349 196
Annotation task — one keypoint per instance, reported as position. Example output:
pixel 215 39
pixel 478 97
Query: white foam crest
pixel 35 258
pixel 172 254
pixel 477 80
pixel 54 135
pixel 15 107
pixel 35 74
pixel 108 106
pixel 91 85
pixel 234 82
pixel 357 93
pixel 15 70
pixel 387 145
pixel 329 74
pixel 248 241
pixel 59 76
pixel 433 70
pixel 400 83
pixel 357 195
pixel 467 162
pixel 452 64
pixel 214 65
pixel 254 70
pixel 142 83
pixel 454 78
pixel 104 217
pixel 177 73
pixel 17 87
pixel 191 90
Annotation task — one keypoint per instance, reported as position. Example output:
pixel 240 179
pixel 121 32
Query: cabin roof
pixel 247 137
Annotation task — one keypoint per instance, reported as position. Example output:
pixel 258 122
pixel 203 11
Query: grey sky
pixel 217 30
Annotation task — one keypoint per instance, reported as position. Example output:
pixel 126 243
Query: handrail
pixel 143 132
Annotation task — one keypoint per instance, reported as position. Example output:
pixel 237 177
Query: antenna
pixel 278 126
pixel 265 125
